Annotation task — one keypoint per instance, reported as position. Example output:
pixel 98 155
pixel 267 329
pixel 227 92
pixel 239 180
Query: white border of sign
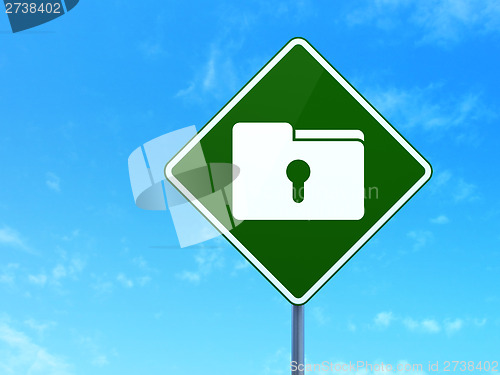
pixel 428 172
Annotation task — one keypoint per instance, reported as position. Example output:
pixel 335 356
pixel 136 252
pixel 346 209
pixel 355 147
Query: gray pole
pixel 297 339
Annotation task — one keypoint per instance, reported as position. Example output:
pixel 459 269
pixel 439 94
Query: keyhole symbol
pixel 298 172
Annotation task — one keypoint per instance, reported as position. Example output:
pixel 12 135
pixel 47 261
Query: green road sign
pixel 315 171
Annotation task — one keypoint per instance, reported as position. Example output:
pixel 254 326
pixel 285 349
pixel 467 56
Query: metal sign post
pixel 298 340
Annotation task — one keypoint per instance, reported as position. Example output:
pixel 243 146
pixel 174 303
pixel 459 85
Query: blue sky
pixel 91 284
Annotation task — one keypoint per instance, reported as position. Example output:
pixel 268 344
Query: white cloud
pixel 420 238
pixel 186 91
pixel 465 191
pixel 207 261
pixel 411 324
pixel 20 355
pixel 59 272
pixel 351 327
pixel 383 319
pixel 152 49
pixel 430 108
pixel 74 234
pixel 93 349
pixel 143 280
pixel 124 280
pixel 53 182
pixel 430 326
pixel 480 322
pixel 451 20
pixel 192 277
pixel 101 286
pixel 100 360
pixel 144 266
pixel 442 178
pixel 425 325
pixel 9 236
pixel 40 328
pixel 319 315
pixel 456 188
pixel 6 279
pixel 7 275
pixel 441 219
pixel 217 77
pixel 141 263
pixel 452 326
pixel 209 76
pixel 67 269
pixel 276 362
pixel 76 266
pixel 240 265
pixel 40 279
pixel 293 11
pixel 442 22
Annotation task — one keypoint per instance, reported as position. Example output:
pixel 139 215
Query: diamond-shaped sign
pixel 317 171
